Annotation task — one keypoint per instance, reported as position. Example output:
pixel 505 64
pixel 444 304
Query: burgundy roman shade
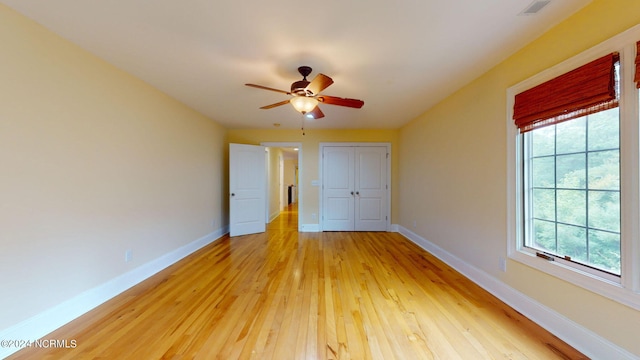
pixel 637 77
pixel 583 91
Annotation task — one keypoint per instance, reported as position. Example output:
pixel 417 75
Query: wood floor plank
pixel 289 295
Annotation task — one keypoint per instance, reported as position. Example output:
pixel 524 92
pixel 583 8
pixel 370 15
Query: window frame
pixel 625 288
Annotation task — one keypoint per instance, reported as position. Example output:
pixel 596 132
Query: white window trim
pixel 626 288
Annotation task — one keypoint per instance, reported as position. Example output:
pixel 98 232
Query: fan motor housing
pixel 298 88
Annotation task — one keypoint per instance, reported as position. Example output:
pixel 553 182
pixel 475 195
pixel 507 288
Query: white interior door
pixel 338 188
pixel 370 188
pixel 247 189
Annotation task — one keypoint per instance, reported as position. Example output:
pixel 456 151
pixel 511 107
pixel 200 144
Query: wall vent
pixel 535 7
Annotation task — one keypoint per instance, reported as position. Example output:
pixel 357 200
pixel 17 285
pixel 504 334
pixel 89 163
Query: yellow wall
pixel 310 157
pixel 453 172
pixel 93 162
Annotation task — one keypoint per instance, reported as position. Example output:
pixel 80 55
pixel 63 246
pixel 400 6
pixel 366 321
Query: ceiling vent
pixel 535 7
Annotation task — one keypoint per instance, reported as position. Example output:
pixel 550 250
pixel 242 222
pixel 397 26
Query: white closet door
pixel 355 188
pixel 338 189
pixel 370 188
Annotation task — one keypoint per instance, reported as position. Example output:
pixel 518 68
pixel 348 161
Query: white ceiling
pixel 400 57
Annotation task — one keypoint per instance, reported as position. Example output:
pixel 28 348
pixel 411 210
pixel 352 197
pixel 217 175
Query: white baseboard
pixel 44 323
pixel 581 338
pixel 309 228
pixel 316 228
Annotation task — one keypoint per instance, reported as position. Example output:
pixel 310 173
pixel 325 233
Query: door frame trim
pixel 320 176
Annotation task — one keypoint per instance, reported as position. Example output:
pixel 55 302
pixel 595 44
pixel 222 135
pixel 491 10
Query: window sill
pixel 611 289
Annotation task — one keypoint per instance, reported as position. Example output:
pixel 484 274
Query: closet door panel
pixel 371 188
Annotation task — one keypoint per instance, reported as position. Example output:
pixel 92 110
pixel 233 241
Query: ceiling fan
pixel 305 95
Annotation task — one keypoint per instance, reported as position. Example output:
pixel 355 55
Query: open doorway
pixel 284 163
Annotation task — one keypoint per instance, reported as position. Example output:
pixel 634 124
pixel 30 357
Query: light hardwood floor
pixel 290 295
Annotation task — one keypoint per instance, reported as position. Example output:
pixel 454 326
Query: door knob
pixel 232 194
pixel 357 192
pixel 352 193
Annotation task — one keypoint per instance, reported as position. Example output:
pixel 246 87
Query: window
pixel 572 190
pixel 573 187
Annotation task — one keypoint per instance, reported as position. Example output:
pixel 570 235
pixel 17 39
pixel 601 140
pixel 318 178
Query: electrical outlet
pixel 314 216
pixel 128 255
pixel 503 264
pixel 415 224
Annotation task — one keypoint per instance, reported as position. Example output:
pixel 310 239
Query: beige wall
pixel 309 167
pixel 93 162
pixel 274 182
pixel 290 174
pixel 453 172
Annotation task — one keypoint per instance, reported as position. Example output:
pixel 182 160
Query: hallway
pixel 287 220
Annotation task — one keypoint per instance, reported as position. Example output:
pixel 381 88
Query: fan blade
pixel 316 113
pixel 276 104
pixel 319 83
pixel 332 100
pixel 268 88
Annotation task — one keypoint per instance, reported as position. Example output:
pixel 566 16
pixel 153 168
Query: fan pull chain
pixel 302 124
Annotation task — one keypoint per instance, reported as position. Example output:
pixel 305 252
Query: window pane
pixel 604 210
pixel 572 207
pixel 571 136
pixel 604 250
pixel 604 170
pixel 571 171
pixel 543 141
pixel 543 170
pixel 544 204
pixel 572 241
pixel 544 237
pixel 604 130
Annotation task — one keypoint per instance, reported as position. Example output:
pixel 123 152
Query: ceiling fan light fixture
pixel 305 95
pixel 304 104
